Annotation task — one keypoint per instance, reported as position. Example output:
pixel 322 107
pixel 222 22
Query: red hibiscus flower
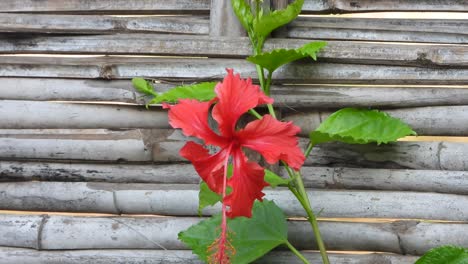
pixel 273 139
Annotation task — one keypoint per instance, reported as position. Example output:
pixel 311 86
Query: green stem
pixel 271 110
pixel 311 218
pixel 297 253
pixel 255 113
pixel 261 76
pixel 268 83
pixel 310 146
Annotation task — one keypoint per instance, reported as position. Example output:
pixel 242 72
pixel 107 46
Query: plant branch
pixel 297 253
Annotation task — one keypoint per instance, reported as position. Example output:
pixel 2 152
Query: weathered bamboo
pixel 440 120
pixel 344 6
pixel 160 233
pixel 172 69
pixel 300 96
pixel 81 145
pixel 161 145
pixel 30 114
pixel 436 120
pixel 409 155
pixel 454 182
pixel 379 29
pixel 167 173
pixel 30 256
pixel 107 6
pixel 192 45
pixel 223 21
pixel 354 96
pixel 182 200
pixel 86 24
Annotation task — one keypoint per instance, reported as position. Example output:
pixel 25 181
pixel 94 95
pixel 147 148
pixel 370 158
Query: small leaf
pixel 243 13
pixel 251 237
pixel 360 126
pixel 206 197
pixel 445 255
pixel 274 179
pixel 201 91
pixel 266 23
pixel 143 86
pixel 276 58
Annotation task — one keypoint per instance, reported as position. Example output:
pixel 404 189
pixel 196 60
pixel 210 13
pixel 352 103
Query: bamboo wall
pixel 88 175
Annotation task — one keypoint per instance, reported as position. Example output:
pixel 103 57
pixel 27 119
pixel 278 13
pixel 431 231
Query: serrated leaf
pixel 251 237
pixel 243 13
pixel 143 86
pixel 360 126
pixel 201 91
pixel 274 179
pixel 266 23
pixel 206 197
pixel 279 57
pixel 445 255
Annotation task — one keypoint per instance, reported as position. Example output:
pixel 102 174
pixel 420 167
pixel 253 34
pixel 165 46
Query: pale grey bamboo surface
pixel 29 256
pixel 455 182
pixel 161 145
pixel 106 6
pixel 200 69
pixel 440 120
pixel 31 114
pixel 286 96
pixel 55 232
pixel 182 200
pixel 345 6
pixel 93 24
pixel 193 45
pixel 379 29
pixel 435 120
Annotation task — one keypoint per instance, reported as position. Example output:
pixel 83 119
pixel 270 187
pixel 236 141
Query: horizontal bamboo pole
pixel 178 69
pixel 440 120
pixel 455 182
pixel 29 256
pixel 160 233
pixel 161 145
pixel 379 29
pixel 30 114
pixel 106 6
pixel 345 6
pixel 90 24
pixel 304 96
pixel 435 121
pixel 182 200
pixel 192 45
pixel 118 173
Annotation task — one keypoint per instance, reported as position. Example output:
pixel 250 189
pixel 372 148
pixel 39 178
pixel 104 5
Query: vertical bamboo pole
pixel 223 21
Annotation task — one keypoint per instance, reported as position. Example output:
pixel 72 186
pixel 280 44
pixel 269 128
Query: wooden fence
pixel 88 175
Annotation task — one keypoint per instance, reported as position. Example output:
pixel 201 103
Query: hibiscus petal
pixel 209 167
pixel 192 117
pixel 235 97
pixel 247 183
pixel 273 139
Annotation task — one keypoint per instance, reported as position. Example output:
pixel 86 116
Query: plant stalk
pixel 297 253
pixel 311 218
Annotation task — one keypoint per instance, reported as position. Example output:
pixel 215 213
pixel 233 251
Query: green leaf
pixel 360 126
pixel 201 91
pixel 445 255
pixel 206 197
pixel 266 23
pixel 243 13
pixel 143 86
pixel 274 179
pixel 251 237
pixel 276 58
